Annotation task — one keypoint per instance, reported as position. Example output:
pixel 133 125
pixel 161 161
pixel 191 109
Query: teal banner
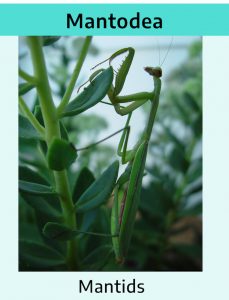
pixel 114 19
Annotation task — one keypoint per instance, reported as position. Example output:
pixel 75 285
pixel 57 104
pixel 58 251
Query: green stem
pixel 29 115
pixel 52 130
pixel 75 75
pixel 43 89
pixel 26 76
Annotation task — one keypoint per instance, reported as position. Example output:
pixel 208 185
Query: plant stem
pixel 29 115
pixel 43 89
pixel 26 76
pixel 52 130
pixel 75 74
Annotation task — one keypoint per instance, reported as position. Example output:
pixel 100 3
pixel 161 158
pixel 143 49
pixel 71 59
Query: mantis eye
pixel 157 72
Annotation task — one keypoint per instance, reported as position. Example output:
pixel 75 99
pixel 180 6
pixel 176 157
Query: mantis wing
pixel 126 223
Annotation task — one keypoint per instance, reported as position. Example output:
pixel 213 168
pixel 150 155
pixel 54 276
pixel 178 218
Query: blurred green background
pixel 168 229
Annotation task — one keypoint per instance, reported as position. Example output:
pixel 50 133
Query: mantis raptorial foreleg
pixel 137 99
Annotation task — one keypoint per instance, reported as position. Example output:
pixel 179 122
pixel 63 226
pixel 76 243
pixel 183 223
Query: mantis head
pixel 157 71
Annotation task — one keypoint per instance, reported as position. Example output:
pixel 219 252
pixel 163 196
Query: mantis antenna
pixel 159 51
pixel 170 45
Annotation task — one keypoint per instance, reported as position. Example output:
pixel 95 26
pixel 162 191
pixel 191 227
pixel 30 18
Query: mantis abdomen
pixel 124 209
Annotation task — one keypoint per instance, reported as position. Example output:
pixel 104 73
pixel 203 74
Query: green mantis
pixel 128 187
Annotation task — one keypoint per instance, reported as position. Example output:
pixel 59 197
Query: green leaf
pixel 177 159
pixel 156 201
pixel 30 155
pixel 42 210
pixel 179 144
pixel 26 130
pixel 27 174
pixel 195 170
pixel 39 255
pixel 84 180
pixel 191 102
pixel 41 205
pixel 38 114
pixel 92 263
pixel 59 231
pixel 88 219
pixel 25 88
pixel 193 187
pixel 194 210
pixel 49 40
pixel 192 251
pixel 61 154
pixel 35 188
pixel 91 95
pixel 99 191
pixel 63 132
pixel 197 125
pixel 29 231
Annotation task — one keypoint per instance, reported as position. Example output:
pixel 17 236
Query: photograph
pixel 110 153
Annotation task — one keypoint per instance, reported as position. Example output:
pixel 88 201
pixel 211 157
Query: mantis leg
pixel 93 75
pixel 136 99
pixel 128 109
pixel 125 154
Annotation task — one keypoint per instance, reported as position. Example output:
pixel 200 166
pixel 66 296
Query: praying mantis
pixel 126 203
